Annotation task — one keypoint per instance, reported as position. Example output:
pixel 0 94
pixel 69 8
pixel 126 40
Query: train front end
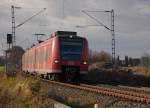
pixel 73 55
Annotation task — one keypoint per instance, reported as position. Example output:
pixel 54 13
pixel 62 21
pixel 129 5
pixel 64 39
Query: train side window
pixel 38 59
pixel 48 53
pixel 38 55
pixel 29 58
pixel 41 55
pixel 32 57
pixel 44 53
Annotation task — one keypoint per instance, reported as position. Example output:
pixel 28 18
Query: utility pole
pixel 113 38
pixel 111 29
pixel 13 25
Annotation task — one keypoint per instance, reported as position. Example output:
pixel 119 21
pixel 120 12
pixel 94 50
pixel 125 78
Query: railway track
pixel 123 94
pixel 126 94
pixel 139 90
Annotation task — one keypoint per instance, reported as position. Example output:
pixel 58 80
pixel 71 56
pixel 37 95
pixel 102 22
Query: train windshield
pixel 71 49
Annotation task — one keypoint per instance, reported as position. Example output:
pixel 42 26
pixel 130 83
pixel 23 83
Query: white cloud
pixel 145 11
pixel 131 22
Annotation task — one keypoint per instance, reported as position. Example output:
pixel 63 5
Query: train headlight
pixel 84 62
pixel 71 36
pixel 56 61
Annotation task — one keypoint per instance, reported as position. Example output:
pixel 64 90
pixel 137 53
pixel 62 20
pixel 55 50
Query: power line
pixel 78 26
pixel 30 18
pixel 111 29
pixel 101 24
pixel 13 21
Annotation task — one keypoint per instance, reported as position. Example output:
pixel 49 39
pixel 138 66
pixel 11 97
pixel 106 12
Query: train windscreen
pixel 71 49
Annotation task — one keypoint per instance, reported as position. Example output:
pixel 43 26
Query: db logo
pixel 70 63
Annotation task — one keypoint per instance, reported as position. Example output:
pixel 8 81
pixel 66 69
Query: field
pixel 28 92
pixel 20 92
pixel 132 76
pixel 141 70
pixel 2 68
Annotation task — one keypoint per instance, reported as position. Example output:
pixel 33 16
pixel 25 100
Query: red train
pixel 64 56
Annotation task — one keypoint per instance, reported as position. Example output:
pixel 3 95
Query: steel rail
pixel 119 91
pixel 128 95
pixel 124 94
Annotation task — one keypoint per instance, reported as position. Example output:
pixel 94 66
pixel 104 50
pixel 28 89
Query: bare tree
pixel 104 56
pixel 99 56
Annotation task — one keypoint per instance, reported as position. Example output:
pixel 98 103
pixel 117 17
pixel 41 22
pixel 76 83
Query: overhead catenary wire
pixel 30 18
pixel 101 24
pixel 111 29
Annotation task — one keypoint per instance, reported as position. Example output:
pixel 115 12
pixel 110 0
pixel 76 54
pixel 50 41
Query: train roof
pixel 66 34
pixel 60 34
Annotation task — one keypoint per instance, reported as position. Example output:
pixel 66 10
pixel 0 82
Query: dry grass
pixel 141 70
pixel 97 65
pixel 20 92
pixel 133 76
pixel 2 68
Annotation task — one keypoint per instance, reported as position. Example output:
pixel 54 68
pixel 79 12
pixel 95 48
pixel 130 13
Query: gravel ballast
pixel 81 98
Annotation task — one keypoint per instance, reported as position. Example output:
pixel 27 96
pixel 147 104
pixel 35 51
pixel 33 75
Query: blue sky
pixel 132 22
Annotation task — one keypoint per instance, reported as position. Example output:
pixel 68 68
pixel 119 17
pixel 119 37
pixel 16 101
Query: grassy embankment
pixel 141 70
pixel 28 92
pixel 133 76
pixel 20 92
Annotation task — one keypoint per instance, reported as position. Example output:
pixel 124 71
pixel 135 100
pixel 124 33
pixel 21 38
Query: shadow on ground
pixel 121 77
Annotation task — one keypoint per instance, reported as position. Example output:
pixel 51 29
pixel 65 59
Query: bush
pixel 35 87
pixel 97 65
pixel 99 57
